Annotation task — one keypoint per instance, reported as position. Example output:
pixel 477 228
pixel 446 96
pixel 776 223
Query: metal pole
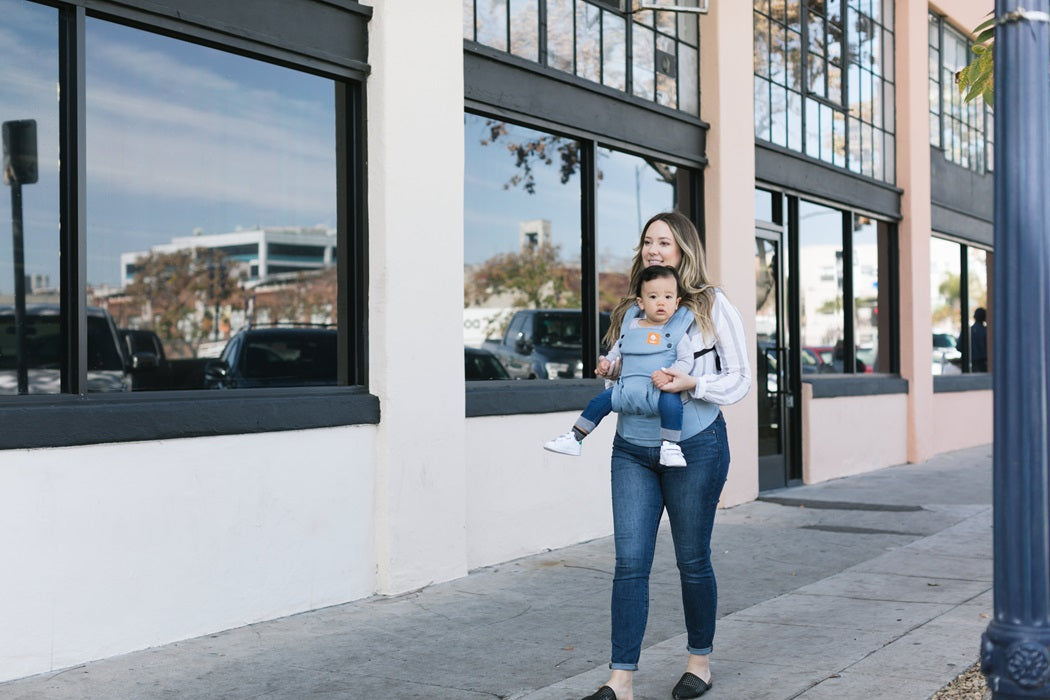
pixel 1015 649
pixel 18 251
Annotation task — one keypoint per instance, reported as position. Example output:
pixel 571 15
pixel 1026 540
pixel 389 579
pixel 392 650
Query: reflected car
pixel 276 356
pixel 867 356
pixel 482 364
pixel 946 355
pixel 107 366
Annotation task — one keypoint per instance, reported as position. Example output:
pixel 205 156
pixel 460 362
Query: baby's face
pixel 659 299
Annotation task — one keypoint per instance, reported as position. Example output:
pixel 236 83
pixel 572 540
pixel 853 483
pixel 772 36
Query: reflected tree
pixel 172 294
pixel 534 276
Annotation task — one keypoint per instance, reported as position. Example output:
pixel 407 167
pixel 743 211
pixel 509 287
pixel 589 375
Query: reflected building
pixel 261 252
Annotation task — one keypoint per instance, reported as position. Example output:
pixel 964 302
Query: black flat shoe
pixel 690 686
pixel 603 693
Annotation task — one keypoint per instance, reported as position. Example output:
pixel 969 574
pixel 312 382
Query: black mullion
pixel 509 45
pixel 893 244
pixel 575 47
pixel 72 179
pixel 629 50
pixel 849 350
pixel 588 259
pixel 940 85
pixel 794 321
pixel 541 20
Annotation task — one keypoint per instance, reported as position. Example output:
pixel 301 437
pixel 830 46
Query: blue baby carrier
pixel 634 392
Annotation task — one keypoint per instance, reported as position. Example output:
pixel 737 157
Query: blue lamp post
pixel 1015 649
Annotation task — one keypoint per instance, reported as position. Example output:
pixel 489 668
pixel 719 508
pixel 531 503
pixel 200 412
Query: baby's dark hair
pixel 656 272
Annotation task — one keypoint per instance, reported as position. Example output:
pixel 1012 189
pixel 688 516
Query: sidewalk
pixel 875 586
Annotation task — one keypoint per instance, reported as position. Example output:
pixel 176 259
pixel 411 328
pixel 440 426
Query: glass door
pixel 773 376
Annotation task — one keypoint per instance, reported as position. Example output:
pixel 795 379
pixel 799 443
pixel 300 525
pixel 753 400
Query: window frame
pixel 339 54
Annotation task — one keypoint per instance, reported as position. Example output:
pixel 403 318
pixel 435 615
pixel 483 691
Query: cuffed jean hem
pixel 670 435
pixel 698 652
pixel 623 667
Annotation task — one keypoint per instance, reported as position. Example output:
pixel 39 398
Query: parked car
pixel 277 356
pixel 482 364
pixel 543 344
pixel 107 367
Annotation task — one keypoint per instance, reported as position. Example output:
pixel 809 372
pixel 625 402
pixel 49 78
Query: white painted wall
pixel 415 239
pixel 113 548
pixel 522 499
pixel 851 434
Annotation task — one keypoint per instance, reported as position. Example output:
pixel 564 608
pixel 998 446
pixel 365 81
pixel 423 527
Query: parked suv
pixel 277 356
pixel 107 366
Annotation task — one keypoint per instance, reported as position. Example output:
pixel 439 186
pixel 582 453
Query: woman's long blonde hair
pixel 699 293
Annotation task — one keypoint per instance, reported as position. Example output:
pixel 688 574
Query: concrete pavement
pixel 875 586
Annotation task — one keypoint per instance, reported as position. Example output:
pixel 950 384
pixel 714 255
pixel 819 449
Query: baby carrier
pixel 642 353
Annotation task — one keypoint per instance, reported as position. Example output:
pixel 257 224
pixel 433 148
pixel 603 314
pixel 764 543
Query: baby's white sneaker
pixel 567 444
pixel 671 455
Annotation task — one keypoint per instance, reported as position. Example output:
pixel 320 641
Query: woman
pixel 642 488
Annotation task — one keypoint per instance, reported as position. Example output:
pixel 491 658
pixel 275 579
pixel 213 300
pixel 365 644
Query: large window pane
pixel 822 318
pixel 945 306
pixel 522 248
pixel 491 23
pixel 559 34
pixel 631 190
pixel 525 29
pixel 211 182
pixel 30 351
pixel 614 51
pixel 866 288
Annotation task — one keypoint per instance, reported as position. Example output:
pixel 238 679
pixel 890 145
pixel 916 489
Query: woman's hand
pixel 673 380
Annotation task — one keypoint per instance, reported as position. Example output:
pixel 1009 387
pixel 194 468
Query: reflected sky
pixel 179 137
pixel 629 192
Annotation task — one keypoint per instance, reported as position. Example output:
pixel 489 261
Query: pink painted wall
pixel 851 434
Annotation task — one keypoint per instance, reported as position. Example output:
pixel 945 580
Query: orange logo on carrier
pixel 653 339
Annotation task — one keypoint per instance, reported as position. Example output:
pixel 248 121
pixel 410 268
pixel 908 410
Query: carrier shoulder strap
pixel 701 353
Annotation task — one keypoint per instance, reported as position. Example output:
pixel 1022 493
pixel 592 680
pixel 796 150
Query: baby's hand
pixel 603 367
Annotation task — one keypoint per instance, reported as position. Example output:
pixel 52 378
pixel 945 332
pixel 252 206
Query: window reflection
pixel 821 283
pixel 631 189
pixel 522 248
pixel 866 293
pixel 945 305
pixel 211 182
pixel 27 94
pixel 977 268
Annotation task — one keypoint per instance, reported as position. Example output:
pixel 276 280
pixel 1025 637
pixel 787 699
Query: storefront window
pixel 211 181
pixel 524 237
pixel 30 340
pixel 522 248
pixel 960 311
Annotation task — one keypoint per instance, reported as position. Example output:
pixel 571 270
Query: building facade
pixel 839 184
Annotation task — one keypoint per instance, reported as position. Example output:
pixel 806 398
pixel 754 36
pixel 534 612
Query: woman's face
pixel 659 246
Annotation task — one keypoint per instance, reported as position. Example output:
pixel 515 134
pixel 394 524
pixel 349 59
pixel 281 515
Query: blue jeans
pixel 641 489
pixel 669 405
